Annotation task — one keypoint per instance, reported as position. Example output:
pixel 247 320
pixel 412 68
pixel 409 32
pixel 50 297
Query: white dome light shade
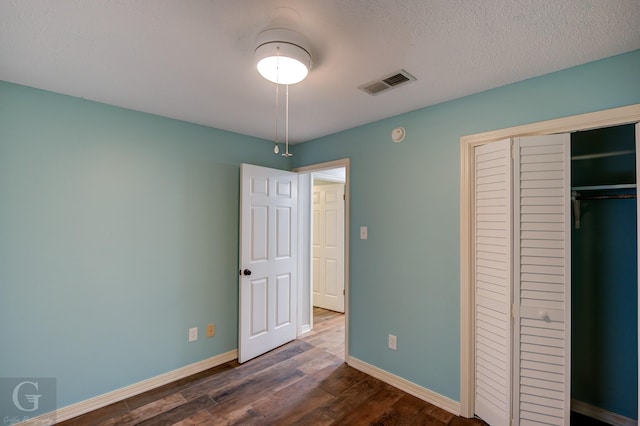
pixel 282 69
pixel 281 56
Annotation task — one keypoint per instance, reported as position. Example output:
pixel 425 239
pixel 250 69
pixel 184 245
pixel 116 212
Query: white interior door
pixel 493 276
pixel 328 246
pixel 268 259
pixel 542 280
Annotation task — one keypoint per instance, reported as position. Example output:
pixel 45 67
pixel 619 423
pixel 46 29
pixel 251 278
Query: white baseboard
pixel 601 414
pixel 405 385
pixel 306 328
pixel 117 395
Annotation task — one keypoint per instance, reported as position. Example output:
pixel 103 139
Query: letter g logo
pixel 33 399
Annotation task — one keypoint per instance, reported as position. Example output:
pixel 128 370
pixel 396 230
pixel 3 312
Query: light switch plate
pixel 393 342
pixel 364 233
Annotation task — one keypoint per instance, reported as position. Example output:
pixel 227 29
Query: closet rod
pixel 576 197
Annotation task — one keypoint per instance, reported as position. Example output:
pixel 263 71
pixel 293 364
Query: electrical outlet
pixel 193 334
pixel 211 330
pixel 393 342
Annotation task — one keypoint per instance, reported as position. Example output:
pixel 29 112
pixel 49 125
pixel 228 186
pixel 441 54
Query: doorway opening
pixel 324 254
pixel 327 239
pixel 604 275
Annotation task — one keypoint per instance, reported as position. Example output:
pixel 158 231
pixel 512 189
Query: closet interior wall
pixel 604 270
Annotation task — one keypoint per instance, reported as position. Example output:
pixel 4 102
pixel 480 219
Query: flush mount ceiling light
pixel 282 57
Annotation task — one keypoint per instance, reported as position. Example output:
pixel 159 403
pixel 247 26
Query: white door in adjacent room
pixel 328 246
pixel 268 260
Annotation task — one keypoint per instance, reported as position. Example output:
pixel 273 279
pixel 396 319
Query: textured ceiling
pixel 193 59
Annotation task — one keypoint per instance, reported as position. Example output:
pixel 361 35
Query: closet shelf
pixel 602 155
pixel 604 187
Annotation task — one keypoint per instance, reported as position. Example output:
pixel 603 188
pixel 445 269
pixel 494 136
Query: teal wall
pixel 405 278
pixel 118 232
pixel 604 276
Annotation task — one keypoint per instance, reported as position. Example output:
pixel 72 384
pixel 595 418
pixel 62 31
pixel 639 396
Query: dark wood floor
pixel 305 382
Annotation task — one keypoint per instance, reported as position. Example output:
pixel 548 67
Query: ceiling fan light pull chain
pixel 277 81
pixel 286 120
pixel 276 148
pixel 286 131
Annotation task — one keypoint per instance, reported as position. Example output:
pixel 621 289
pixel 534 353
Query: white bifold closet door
pixel 542 280
pixel 493 278
pixel 522 281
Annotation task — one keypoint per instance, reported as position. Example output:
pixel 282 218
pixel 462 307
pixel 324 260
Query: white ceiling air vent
pixel 391 81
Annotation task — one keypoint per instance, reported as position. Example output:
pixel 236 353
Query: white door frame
pixel 307 252
pixel 594 120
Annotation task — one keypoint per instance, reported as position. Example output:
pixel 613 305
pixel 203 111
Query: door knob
pixel 246 272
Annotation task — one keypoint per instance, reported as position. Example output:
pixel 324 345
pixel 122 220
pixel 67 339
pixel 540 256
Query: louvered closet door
pixel 493 273
pixel 542 267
